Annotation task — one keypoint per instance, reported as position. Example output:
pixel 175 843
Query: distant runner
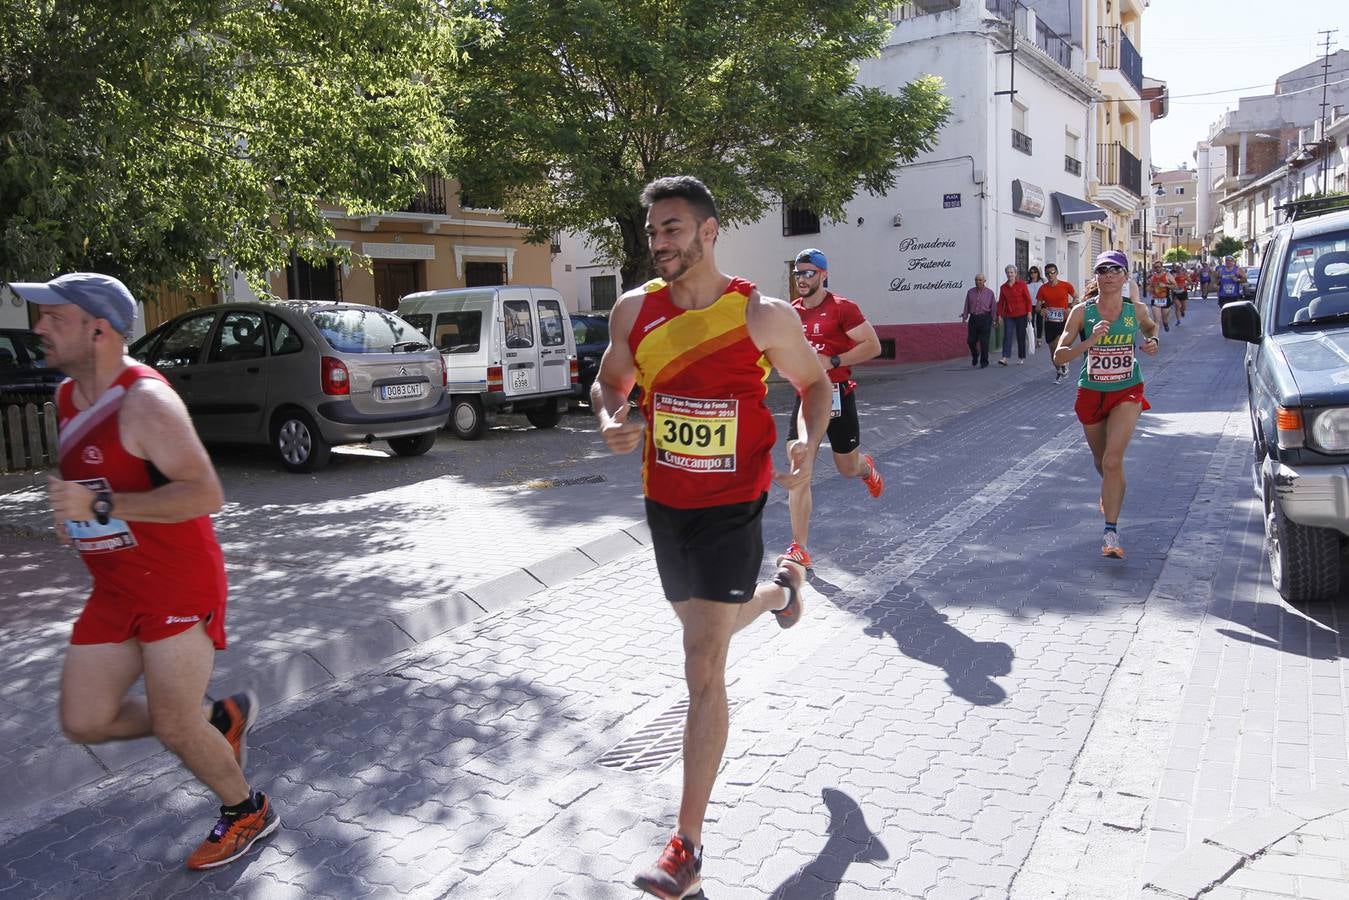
pixel 1110 389
pixel 1230 279
pixel 842 337
pixel 1056 298
pixel 1205 280
pixel 1182 290
pixel 135 498
pixel 1161 288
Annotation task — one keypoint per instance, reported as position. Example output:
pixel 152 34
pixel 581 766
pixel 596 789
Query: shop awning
pixel 1072 210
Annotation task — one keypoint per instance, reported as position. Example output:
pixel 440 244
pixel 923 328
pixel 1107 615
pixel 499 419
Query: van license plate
pixel 402 391
pixel 519 379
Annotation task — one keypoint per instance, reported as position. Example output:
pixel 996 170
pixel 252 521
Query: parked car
pixel 1298 331
pixel 507 348
pixel 302 377
pixel 592 339
pixel 24 375
pixel 1252 282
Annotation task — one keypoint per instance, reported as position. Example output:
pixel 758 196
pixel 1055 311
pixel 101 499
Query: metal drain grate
pixel 654 745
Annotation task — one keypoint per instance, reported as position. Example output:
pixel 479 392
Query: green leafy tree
pixel 149 138
pixel 1177 255
pixel 568 109
pixel 1228 246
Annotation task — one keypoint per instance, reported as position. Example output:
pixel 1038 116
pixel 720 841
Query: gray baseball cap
pixel 101 296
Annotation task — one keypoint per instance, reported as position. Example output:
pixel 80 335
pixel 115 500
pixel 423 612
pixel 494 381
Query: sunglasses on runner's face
pixel 805 273
pixel 1109 270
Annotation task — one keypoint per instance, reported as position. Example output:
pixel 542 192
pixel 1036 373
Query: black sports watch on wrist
pixel 835 361
pixel 102 506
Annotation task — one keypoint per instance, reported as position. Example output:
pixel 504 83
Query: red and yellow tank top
pixel 151 565
pixel 709 437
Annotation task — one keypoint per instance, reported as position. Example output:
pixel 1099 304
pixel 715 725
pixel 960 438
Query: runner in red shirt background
pixel 1055 298
pixel 135 497
pixel 842 337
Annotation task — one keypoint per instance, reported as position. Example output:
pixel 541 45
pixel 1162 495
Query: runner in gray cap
pixel 134 497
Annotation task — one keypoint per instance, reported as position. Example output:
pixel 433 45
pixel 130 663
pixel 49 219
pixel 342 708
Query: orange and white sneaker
pixel 677 874
pixel 1110 545
pixel 237 713
pixel 797 554
pixel 873 479
pixel 233 834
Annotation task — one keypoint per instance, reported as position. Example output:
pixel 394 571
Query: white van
pixel 507 348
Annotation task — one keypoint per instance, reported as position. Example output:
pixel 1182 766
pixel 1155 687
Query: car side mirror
pixel 1241 322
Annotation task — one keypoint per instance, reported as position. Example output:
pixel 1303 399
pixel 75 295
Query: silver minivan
pixel 507 348
pixel 302 377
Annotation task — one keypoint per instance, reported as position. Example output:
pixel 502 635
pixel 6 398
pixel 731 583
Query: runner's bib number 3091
pixel 1107 364
pixel 695 435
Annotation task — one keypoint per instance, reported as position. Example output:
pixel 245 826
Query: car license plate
pixel 519 379
pixel 402 391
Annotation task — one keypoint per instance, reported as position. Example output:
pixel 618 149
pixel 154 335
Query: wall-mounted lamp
pixel 898 220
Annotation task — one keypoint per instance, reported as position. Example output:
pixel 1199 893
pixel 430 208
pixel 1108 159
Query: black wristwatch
pixel 835 361
pixel 102 506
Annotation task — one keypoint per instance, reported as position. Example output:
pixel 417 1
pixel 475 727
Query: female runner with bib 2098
pixel 1110 390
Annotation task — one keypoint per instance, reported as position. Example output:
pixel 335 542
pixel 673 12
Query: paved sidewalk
pixel 332 573
pixel 916 736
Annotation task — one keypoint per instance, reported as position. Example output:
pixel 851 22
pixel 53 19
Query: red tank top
pixel 709 437
pixel 1160 288
pixel 151 565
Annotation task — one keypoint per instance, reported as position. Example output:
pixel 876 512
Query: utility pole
pixel 1321 148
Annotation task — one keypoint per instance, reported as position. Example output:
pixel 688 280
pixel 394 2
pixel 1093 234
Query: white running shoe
pixel 1110 545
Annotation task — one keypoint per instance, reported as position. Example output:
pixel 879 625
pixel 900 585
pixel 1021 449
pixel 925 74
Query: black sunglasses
pixel 805 273
pixel 1109 270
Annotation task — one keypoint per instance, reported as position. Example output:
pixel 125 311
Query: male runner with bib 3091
pixel 1110 390
pixel 700 344
pixel 842 337
pixel 135 498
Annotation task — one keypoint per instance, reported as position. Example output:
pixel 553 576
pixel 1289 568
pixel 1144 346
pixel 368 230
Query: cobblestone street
pixel 975 705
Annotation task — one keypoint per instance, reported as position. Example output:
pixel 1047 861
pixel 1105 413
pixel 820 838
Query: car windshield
pixel 1315 286
pixel 364 330
pixel 590 329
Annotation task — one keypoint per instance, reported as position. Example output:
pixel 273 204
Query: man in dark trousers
pixel 980 304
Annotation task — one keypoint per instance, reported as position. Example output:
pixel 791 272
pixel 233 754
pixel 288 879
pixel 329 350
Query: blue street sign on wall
pixel 950 201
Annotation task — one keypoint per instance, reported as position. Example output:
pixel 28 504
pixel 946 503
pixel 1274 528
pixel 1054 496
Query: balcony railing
pixel 1072 166
pixel 1118 52
pixel 1117 166
pixel 915 8
pixel 1055 45
pixel 431 200
pixel 1020 141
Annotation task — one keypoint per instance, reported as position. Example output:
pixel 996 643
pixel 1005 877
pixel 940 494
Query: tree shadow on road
pixel 922 633
pixel 850 840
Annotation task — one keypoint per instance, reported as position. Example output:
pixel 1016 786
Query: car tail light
pixel 575 367
pixel 444 371
pixel 1289 422
pixel 336 379
pixel 495 381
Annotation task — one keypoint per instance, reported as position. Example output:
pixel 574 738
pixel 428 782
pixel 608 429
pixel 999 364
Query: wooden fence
pixel 27 436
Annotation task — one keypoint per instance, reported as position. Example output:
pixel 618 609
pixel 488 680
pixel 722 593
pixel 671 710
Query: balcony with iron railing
pixel 1021 142
pixel 1116 51
pixel 1056 46
pixel 432 198
pixel 1072 165
pixel 1117 166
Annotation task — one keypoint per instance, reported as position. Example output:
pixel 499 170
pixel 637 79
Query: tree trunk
pixel 635 266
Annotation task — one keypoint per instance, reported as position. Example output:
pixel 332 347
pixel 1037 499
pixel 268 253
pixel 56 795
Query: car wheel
pixel 298 443
pixel 413 444
pixel 1304 562
pixel 467 420
pixel 546 416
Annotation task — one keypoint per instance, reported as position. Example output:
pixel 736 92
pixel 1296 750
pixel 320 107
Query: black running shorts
pixel 712 553
pixel 1053 331
pixel 845 434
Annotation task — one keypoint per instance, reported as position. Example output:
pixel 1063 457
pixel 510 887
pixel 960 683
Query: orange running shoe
pixel 677 874
pixel 233 834
pixel 874 481
pixel 797 554
pixel 239 711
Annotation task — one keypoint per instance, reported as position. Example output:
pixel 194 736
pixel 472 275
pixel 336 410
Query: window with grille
pixel 798 218
pixel 603 291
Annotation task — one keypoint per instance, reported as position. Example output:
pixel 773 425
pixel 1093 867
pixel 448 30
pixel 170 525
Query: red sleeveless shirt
pixel 150 565
pixel 709 437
